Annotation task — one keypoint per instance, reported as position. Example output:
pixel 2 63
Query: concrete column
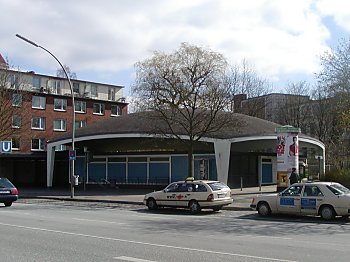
pixel 222 156
pixel 50 164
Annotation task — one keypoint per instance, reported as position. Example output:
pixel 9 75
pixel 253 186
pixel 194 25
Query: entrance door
pixel 201 169
pixel 266 174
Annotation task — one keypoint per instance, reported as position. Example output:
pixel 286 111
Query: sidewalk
pixel 241 198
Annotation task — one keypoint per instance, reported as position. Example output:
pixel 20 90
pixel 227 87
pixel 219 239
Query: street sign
pixel 72 155
pixel 6 146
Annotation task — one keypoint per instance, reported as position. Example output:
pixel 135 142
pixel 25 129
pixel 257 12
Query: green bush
pixel 341 176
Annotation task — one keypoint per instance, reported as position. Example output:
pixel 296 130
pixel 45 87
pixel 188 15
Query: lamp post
pixel 71 160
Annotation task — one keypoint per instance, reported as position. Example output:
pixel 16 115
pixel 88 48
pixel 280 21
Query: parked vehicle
pixel 326 199
pixel 195 195
pixel 8 192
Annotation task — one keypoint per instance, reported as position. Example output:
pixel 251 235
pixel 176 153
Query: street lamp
pixel 71 169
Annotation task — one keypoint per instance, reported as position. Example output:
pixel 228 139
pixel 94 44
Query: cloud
pixel 278 37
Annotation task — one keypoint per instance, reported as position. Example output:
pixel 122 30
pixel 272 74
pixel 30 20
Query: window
pixel 56 87
pixel 94 91
pixel 38 102
pixel 15 143
pixel 36 83
pixel 76 87
pixel 60 104
pixel 16 121
pixel 292 191
pixel 61 148
pixel 14 81
pixel 116 110
pixel 38 144
pixel 312 191
pixel 111 93
pixel 17 100
pixel 59 125
pixel 79 124
pixel 80 106
pixel 99 108
pixel 38 123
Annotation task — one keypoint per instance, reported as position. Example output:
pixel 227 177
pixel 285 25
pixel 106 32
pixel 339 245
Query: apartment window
pixel 94 91
pixel 111 93
pixel 38 122
pixel 36 83
pixel 76 87
pixel 38 102
pixel 80 123
pixel 38 144
pixel 56 87
pixel 61 148
pixel 80 106
pixel 15 143
pixel 14 81
pixel 16 121
pixel 59 125
pixel 98 108
pixel 60 104
pixel 116 110
pixel 17 100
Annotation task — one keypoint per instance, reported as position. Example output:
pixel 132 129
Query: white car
pixel 195 195
pixel 326 199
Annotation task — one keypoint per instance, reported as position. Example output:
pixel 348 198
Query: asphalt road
pixel 42 230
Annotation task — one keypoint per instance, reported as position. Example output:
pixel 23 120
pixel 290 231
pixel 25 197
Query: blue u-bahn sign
pixel 6 146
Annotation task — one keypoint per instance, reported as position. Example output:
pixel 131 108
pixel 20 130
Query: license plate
pixel 3 192
pixel 221 195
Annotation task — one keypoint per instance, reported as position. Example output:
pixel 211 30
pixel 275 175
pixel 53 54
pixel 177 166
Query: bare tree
pixel 294 109
pixel 13 118
pixel 243 79
pixel 187 90
pixel 60 72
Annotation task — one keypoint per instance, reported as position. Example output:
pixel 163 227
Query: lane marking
pixel 133 259
pixel 101 221
pixel 146 243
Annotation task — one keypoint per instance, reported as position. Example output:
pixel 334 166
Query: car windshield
pixel 216 186
pixel 338 189
pixel 5 183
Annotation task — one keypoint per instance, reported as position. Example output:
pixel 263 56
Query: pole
pixel 71 161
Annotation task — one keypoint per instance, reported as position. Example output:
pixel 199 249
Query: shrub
pixel 341 176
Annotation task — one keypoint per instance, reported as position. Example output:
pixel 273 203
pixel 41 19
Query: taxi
pixel 325 199
pixel 192 194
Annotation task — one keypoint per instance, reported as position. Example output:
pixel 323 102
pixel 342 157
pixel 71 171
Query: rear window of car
pixel 215 186
pixel 338 189
pixel 5 183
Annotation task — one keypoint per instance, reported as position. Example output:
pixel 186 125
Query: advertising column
pixel 287 154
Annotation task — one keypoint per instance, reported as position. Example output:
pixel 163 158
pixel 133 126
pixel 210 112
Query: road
pixel 42 230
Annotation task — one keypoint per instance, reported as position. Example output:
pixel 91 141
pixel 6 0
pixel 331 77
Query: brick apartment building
pixel 41 109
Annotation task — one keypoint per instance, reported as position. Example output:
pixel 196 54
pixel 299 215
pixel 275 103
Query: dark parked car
pixel 8 192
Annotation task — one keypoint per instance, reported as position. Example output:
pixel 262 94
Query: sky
pixel 102 40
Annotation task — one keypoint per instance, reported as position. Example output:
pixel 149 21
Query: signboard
pixel 6 146
pixel 287 154
pixel 72 155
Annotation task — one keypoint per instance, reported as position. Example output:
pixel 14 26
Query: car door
pixel 288 201
pixel 185 193
pixel 311 200
pixel 168 195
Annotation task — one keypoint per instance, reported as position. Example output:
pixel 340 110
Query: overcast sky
pixel 102 40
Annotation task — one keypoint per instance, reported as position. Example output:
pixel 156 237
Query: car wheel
pixel 327 213
pixel 152 204
pixel 264 209
pixel 215 209
pixel 194 207
pixel 8 204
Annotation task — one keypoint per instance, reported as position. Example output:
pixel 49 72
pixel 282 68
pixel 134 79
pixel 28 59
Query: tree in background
pixel 187 89
pixel 60 72
pixel 243 79
pixel 12 96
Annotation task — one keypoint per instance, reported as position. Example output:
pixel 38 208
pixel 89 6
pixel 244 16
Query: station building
pixel 127 151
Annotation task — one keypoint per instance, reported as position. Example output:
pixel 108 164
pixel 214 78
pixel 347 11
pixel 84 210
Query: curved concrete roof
pixel 237 125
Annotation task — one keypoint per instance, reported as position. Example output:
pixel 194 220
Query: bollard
pixel 241 183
